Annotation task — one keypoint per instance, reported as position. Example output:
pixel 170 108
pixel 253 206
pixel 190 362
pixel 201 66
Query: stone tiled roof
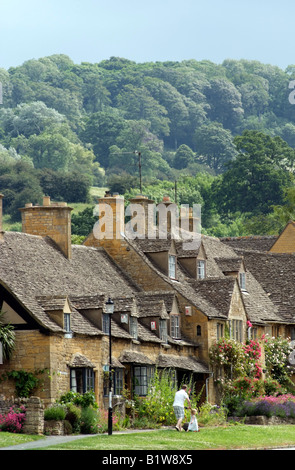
pixel 135 358
pixel 218 292
pixel 228 265
pixel 180 362
pixel 255 243
pixel 212 296
pixel 276 275
pixel 31 267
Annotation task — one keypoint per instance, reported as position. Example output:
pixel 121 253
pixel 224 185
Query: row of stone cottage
pixel 170 304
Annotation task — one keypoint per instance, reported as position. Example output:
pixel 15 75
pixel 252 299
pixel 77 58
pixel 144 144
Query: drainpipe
pixel 208 378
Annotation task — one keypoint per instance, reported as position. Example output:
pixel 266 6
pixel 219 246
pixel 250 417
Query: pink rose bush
pixel 14 420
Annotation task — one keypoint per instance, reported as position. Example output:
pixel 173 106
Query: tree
pixel 138 104
pixel 255 180
pixel 225 103
pixel 183 157
pixel 101 130
pixel 214 146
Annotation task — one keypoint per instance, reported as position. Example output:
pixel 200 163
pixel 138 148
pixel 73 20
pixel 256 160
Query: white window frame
pixel 242 279
pixel 163 330
pixel 175 326
pixel 172 266
pixel 106 323
pixel 201 268
pixel 133 327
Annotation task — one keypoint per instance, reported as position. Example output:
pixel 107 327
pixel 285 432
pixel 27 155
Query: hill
pixel 90 123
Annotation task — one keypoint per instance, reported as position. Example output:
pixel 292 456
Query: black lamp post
pixel 110 310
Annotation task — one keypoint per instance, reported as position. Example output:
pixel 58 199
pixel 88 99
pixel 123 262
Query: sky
pixel 148 31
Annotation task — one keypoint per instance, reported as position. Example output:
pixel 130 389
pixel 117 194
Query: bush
pixel 211 415
pixel 55 412
pixel 14 420
pixel 73 416
pixel 89 420
pixel 83 400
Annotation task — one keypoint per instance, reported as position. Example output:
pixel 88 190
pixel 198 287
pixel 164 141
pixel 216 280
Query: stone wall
pixel 34 423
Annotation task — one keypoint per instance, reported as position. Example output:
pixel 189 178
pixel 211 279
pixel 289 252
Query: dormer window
pixel 172 266
pixel 163 330
pixel 133 327
pixel 67 325
pixel 106 323
pixel 242 277
pixel 200 269
pixel 175 326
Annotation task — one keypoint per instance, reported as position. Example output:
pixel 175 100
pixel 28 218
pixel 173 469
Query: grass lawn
pixel 214 438
pixel 9 439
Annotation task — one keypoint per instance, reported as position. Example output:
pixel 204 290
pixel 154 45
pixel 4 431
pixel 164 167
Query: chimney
pixel 50 219
pixel 142 211
pixel 168 217
pixel 110 212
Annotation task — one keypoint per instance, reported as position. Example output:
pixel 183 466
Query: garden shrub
pixel 73 416
pixel 277 351
pixel 211 415
pixel 55 412
pixel 89 420
pixel 14 420
pixel 83 400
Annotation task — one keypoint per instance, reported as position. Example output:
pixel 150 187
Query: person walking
pixel 178 405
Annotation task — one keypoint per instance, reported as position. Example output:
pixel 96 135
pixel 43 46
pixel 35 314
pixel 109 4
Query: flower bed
pixel 282 406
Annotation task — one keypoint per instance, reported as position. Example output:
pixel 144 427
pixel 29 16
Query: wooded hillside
pixel 62 122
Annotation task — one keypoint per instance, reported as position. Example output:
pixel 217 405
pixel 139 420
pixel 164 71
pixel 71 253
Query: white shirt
pixel 180 398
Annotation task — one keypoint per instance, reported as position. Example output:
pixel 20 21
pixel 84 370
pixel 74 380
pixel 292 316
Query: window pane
pixel 133 327
pixel 106 323
pixel 201 269
pixel 172 267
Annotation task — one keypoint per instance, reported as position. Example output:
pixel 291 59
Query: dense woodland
pixel 220 135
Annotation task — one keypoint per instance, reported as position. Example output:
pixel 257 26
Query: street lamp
pixel 109 310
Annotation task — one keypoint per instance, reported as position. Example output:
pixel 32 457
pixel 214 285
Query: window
pixel 219 331
pixel 82 380
pixel 172 267
pixel 254 333
pixel 117 382
pixel 199 330
pixel 67 325
pixel 243 281
pixel 201 269
pixel 142 376
pixel 236 329
pixel 174 326
pixel 163 330
pixel 106 323
pixel 133 327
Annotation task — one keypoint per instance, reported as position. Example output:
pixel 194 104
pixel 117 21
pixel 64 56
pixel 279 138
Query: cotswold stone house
pixel 170 304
